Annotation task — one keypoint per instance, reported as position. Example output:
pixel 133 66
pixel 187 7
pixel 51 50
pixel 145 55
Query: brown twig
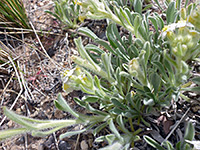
pixel 177 124
pixel 6 87
pixel 21 88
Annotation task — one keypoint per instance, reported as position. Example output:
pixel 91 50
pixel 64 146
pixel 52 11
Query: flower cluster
pixel 91 9
pixel 184 42
pixel 74 79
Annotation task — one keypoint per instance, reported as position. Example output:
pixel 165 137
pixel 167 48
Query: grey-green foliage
pixel 67 12
pixel 131 75
pixel 181 145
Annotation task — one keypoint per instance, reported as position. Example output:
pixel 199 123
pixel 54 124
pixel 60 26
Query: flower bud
pixel 187 38
pixel 190 45
pixel 72 79
pixel 185 67
pixel 183 13
pixel 170 35
pixel 82 18
pixel 194 18
pixel 93 9
pixel 134 67
pixel 174 50
pixel 179 50
pixel 132 93
pixel 180 38
pixel 184 49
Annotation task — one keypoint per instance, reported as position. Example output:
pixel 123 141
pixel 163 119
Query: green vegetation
pixel 13 14
pixel 67 12
pixel 138 73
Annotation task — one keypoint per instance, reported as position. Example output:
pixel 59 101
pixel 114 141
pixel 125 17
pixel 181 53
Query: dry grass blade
pixel 5 52
pixel 14 11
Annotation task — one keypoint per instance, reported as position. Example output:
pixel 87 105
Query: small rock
pixel 10 123
pixel 18 111
pixel 84 145
pixel 63 145
pixel 58 114
pixel 21 140
pixel 40 4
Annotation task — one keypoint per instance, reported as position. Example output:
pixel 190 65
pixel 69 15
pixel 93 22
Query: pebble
pixel 63 145
pixel 58 114
pixel 20 140
pixel 10 123
pixel 84 145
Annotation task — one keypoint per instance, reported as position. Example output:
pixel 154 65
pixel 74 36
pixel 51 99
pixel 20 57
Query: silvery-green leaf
pixel 100 139
pixel 88 32
pixel 189 132
pixel 155 81
pixel 196 80
pixel 99 128
pixel 149 102
pixel 91 99
pixel 12 132
pixel 61 104
pixel 114 129
pixel 69 134
pixel 153 143
pixel 171 11
pixel 110 138
pixel 138 6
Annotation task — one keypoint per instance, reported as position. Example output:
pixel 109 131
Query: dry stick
pixel 8 62
pixel 6 23
pixel 69 51
pixel 176 126
pixel 6 87
pixel 4 53
pixel 27 31
pixel 55 141
pixel 27 90
pixel 28 111
pixel 78 138
pixel 12 32
pixel 37 31
pixel 19 94
pixel 69 30
pixel 12 91
pixel 5 50
pixel 42 45
pixel 38 90
pixel 26 142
